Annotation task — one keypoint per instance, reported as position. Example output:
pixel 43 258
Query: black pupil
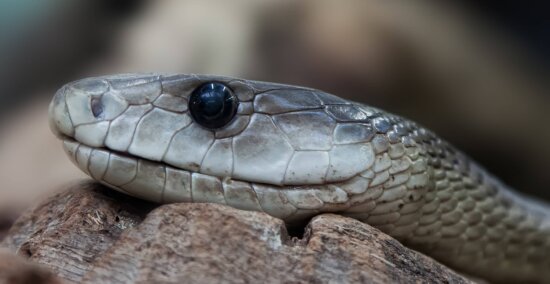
pixel 213 105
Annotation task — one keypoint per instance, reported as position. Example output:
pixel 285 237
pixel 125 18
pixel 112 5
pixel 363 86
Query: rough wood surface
pixel 91 234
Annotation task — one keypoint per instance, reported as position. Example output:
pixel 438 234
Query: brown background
pixel 474 75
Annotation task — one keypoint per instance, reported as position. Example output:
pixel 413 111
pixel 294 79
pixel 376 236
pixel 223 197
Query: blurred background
pixel 475 73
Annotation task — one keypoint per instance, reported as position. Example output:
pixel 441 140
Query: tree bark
pixel 91 234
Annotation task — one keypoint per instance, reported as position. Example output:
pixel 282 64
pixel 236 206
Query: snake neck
pixel 473 221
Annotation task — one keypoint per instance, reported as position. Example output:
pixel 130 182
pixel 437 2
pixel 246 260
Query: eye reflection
pixel 213 105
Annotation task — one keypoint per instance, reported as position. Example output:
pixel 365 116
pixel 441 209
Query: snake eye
pixel 213 105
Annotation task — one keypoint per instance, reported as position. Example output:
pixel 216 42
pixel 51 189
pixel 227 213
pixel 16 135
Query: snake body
pixel 295 152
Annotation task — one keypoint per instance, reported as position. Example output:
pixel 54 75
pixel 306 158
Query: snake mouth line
pixel 121 154
pixel 68 139
pixel 82 155
pixel 77 145
pixel 147 179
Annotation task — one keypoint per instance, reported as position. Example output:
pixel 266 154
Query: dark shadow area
pixel 296 231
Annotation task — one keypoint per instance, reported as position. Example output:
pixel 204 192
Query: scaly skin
pixel 295 152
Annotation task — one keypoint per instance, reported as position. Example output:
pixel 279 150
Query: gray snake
pixel 295 152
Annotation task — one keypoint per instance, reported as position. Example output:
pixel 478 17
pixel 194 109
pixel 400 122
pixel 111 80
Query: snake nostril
pixel 96 106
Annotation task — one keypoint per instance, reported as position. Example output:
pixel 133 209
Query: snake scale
pixel 295 152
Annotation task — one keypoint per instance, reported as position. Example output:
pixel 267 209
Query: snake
pixel 295 152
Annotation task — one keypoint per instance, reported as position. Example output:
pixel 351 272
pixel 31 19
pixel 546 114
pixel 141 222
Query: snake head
pixel 277 134
pixel 285 150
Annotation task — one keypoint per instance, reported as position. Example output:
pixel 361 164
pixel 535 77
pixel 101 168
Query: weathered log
pixel 91 234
